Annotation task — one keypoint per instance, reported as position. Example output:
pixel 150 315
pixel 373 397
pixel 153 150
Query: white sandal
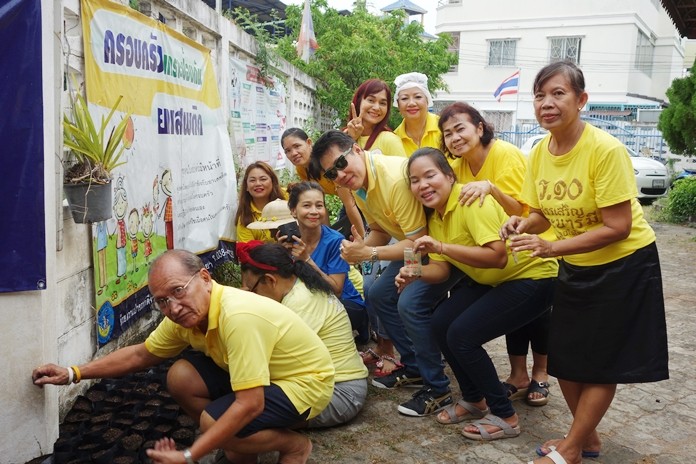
pixel 555 456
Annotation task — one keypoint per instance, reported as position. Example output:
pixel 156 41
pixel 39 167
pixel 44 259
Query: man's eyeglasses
pixel 339 165
pixel 162 304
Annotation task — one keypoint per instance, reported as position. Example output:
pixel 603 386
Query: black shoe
pixel 398 378
pixel 425 402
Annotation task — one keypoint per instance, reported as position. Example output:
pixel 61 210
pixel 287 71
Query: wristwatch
pixel 188 457
pixel 374 257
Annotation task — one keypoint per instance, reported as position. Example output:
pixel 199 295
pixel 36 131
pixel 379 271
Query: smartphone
pixel 289 229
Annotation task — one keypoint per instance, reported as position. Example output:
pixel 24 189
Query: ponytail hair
pixel 274 255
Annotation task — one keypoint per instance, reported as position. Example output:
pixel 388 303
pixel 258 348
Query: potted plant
pixel 87 182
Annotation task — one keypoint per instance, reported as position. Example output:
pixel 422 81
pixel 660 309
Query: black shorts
pixel 278 411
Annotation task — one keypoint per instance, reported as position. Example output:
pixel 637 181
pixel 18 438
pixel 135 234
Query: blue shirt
pixel 327 256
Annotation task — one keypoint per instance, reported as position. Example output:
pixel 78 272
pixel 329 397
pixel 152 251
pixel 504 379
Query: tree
pixel 362 46
pixel 678 121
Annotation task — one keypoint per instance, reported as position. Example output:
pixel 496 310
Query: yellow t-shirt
pixel 476 225
pixel 570 189
pixel 258 341
pixel 431 137
pixel 328 186
pixel 504 166
pixel 386 143
pixel 244 234
pixel 388 200
pixel 327 317
pixel 356 278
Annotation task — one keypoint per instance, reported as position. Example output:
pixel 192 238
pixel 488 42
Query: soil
pixel 379 435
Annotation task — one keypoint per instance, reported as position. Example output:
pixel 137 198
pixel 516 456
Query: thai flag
pixel 509 86
pixel 307 41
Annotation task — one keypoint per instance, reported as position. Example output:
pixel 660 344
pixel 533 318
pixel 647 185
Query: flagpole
pixel 517 100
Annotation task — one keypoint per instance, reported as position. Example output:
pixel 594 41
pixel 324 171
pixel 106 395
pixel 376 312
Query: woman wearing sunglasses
pixel 380 188
pixel 298 147
pixel 269 270
pixel 368 120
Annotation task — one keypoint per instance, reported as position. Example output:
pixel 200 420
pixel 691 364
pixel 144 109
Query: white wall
pixel 58 324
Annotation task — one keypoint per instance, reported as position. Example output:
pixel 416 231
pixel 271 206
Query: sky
pixel 374 5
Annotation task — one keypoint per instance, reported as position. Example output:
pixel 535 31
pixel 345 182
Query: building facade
pixel 629 50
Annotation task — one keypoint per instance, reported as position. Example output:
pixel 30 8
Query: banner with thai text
pixel 258 114
pixel 178 187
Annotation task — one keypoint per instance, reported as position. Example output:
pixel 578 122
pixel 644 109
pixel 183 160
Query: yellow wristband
pixel 78 375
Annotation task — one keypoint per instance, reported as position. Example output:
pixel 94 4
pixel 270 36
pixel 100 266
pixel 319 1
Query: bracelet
pixel 188 457
pixel 491 184
pixel 374 258
pixel 78 375
pixel 71 375
pixel 307 260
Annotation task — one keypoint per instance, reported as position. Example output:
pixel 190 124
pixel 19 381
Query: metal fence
pixel 643 139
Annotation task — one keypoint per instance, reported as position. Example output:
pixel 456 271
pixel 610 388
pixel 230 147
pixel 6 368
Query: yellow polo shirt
pixel 432 136
pixel 244 234
pixel 386 143
pixel 258 341
pixel 388 200
pixel 476 225
pixel 505 166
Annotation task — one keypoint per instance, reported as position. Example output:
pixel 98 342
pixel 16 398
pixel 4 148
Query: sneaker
pixel 398 378
pixel 424 402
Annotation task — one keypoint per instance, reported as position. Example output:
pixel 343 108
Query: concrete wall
pixel 609 32
pixel 58 324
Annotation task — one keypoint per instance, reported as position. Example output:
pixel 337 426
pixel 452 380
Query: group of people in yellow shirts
pixel 551 251
pixel 547 251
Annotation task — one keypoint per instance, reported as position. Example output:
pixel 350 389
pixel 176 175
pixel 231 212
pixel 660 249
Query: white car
pixel 652 179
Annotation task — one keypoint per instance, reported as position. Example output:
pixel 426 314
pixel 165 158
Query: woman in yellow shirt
pixel 368 120
pixel 608 320
pixel 259 186
pixel 298 147
pixel 419 127
pixel 489 166
pixel 502 294
pixel 269 270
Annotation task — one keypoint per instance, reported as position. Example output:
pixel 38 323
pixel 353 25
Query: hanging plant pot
pixel 89 202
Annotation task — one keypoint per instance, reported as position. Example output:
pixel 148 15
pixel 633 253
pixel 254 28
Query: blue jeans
pixel 475 314
pixel 406 319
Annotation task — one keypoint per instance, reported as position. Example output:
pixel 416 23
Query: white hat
pixel 410 80
pixel 274 214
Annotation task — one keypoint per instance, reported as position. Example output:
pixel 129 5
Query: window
pixel 502 52
pixel 564 48
pixel 454 48
pixel 644 53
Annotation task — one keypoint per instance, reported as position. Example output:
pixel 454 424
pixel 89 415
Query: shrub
pixel 682 201
pixel 228 273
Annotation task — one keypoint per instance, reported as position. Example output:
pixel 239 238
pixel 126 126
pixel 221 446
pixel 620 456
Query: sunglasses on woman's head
pixel 339 165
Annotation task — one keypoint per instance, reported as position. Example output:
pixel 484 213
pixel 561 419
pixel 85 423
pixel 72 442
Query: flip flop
pixel 379 372
pixel 506 430
pixel 538 387
pixel 585 454
pixel 369 357
pixel 555 456
pixel 452 418
pixel 514 393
